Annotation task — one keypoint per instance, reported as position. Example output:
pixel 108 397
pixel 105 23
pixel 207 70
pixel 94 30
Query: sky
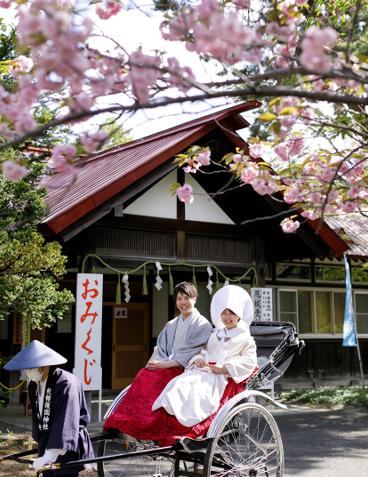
pixel 135 28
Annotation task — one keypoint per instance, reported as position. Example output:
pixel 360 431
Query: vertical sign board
pixel 262 302
pixel 88 326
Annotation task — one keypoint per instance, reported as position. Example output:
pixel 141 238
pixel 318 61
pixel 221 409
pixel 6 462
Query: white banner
pixel 88 327
pixel 262 302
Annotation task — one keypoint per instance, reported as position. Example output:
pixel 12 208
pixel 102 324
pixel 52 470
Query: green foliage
pixel 341 17
pixel 29 267
pixel 117 135
pixel 328 396
pixel 22 206
pixel 360 274
pixel 44 114
pixel 7 41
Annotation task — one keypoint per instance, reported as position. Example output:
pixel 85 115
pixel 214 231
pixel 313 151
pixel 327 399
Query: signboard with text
pixel 262 302
pixel 88 327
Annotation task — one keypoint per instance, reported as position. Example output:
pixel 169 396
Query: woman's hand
pixel 155 364
pixel 200 363
pixel 218 369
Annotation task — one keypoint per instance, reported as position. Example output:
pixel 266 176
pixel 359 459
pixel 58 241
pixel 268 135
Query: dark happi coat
pixel 62 423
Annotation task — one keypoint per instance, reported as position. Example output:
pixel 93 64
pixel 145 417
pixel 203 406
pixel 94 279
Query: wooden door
pixel 130 342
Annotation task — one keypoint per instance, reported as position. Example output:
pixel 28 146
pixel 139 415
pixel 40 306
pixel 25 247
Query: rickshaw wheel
pixel 248 444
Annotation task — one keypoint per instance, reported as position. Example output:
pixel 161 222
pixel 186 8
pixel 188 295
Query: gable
pixel 157 202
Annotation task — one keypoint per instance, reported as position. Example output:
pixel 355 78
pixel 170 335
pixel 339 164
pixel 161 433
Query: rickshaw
pixel 243 439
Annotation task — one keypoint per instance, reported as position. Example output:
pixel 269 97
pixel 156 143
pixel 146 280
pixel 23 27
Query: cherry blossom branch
pixel 261 91
pixel 283 213
pixel 287 72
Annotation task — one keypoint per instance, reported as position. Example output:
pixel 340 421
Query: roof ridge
pixel 196 122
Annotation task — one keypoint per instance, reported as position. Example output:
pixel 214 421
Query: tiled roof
pixel 353 229
pixel 72 196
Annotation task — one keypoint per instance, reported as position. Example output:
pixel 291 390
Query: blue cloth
pixel 349 332
pixel 62 423
pixel 35 355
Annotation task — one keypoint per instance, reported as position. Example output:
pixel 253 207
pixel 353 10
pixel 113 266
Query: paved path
pixel 324 443
pixel 318 442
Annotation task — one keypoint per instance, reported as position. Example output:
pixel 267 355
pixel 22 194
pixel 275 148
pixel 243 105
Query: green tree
pixel 29 267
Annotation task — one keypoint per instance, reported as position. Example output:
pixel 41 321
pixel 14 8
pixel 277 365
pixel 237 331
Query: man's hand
pixel 40 462
pixel 154 364
pixel 49 457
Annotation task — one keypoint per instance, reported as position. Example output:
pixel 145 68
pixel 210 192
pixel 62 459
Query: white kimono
pixel 195 395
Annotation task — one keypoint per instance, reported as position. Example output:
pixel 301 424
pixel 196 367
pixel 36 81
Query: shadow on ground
pixel 324 442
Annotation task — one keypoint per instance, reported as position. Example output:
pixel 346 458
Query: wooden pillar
pixel 180 214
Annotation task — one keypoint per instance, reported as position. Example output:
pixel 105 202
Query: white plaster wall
pixel 156 202
pixel 204 208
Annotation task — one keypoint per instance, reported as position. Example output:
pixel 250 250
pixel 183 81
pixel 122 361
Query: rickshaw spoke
pixel 248 444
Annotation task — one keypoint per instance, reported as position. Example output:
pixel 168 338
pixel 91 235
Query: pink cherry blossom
pixel 314 47
pixel 62 158
pixel 13 171
pixel 191 168
pixel 316 61
pixel 242 4
pixel 91 141
pixel 286 150
pixel 24 123
pixel 5 131
pixel 256 150
pixel 348 207
pixel 204 158
pixel 282 150
pixel 108 9
pixel 237 158
pixel 249 173
pixel 292 195
pixel 143 74
pixel 289 226
pixel 82 102
pixel 185 193
pixel 316 198
pixel 264 186
pixel 65 59
pixel 23 64
pixel 310 214
pixel 296 145
pixel 181 77
pixel 211 30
